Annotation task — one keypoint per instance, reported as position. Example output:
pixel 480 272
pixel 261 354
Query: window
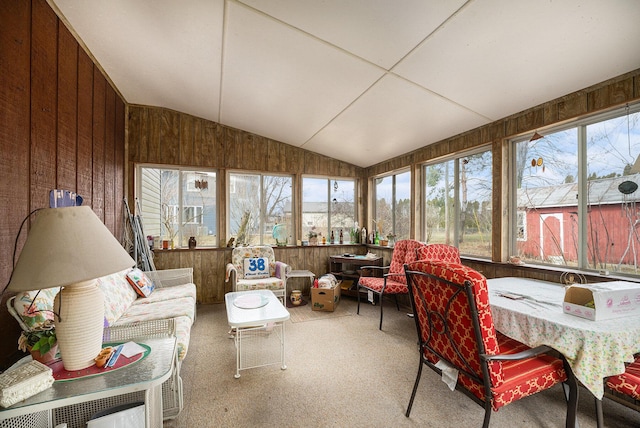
pixel 392 209
pixel 176 204
pixel 457 203
pixel 577 188
pixel 328 205
pixel 260 208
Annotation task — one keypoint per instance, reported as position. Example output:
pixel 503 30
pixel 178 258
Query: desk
pixel 593 349
pixel 146 375
pixel 350 267
pixel 256 326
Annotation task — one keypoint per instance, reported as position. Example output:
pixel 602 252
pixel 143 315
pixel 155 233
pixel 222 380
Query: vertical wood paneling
pixel 97 199
pixel 15 42
pixel 46 130
pixel 119 166
pixel 84 172
pixel 169 144
pixel 44 71
pixel 109 158
pixel 153 135
pixel 67 110
pixel 134 132
pixel 186 140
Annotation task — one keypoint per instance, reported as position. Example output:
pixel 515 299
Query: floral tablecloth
pixel 594 349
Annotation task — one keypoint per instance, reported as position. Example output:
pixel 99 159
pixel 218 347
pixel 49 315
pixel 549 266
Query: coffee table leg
pixel 284 366
pixel 238 350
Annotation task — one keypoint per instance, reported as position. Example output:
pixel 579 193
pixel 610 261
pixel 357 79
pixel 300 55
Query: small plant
pixel 40 339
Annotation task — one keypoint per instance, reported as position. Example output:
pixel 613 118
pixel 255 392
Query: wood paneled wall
pixel 61 127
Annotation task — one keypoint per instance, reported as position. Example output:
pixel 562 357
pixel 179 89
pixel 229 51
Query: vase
pixel 296 297
pixel 192 242
pixel 313 240
pixel 47 357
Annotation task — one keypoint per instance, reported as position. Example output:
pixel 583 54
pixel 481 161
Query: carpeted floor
pixel 344 372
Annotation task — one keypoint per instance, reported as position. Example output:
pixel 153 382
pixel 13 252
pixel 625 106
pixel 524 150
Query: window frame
pixel 374 202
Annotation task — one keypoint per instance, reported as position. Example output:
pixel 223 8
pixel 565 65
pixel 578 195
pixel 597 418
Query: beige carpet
pixel 305 313
pixel 344 372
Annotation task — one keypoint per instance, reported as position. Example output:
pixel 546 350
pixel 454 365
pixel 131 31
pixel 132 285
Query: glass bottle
pixel 332 240
pixel 341 237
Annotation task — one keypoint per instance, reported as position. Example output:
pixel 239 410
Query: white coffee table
pixel 258 317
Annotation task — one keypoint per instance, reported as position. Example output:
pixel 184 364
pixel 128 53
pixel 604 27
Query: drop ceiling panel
pixel 160 53
pixel 500 57
pixel 281 83
pixel 379 31
pixel 393 118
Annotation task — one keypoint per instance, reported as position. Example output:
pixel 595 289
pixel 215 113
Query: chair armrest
pixel 231 274
pixel 368 269
pixel 170 277
pixel 282 269
pixel 542 349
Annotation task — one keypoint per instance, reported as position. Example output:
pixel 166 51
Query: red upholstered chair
pixel 392 280
pixel 445 252
pixel 454 322
pixel 624 388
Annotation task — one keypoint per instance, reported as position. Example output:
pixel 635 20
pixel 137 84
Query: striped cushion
pixel 628 382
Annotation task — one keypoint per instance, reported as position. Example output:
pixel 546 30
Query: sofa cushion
pixel 33 316
pixel 141 284
pixel 169 293
pixel 118 295
pixel 159 310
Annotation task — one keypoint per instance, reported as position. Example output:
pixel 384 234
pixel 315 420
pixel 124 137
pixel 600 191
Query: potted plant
pixel 313 237
pixel 41 342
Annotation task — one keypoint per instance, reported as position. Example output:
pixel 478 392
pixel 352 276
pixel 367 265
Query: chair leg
pixel 599 417
pixel 397 304
pixel 571 395
pixel 415 388
pixel 487 414
pixel 358 293
pixel 381 305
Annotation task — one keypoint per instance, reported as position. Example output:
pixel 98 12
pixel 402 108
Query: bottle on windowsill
pixel 332 240
pixel 341 237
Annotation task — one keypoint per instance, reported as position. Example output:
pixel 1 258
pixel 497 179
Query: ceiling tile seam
pixel 306 33
pixel 223 39
pixel 431 34
pixel 344 109
pixel 462 106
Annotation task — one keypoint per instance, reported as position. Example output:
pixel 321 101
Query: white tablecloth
pixel 594 349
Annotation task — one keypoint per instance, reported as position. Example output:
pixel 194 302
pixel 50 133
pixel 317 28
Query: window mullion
pixel 583 197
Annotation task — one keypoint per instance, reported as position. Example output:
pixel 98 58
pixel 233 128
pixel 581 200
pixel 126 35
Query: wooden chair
pixel 455 326
pixel 391 280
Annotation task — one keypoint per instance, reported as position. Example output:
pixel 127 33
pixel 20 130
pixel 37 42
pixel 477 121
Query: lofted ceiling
pixel 358 80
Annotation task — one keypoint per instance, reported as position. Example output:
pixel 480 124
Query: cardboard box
pixel 610 300
pixel 325 299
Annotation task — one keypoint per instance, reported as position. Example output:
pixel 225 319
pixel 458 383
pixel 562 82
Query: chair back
pixel 454 322
pixel 240 253
pixel 445 252
pixel 404 251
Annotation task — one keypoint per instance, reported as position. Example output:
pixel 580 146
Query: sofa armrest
pixel 171 277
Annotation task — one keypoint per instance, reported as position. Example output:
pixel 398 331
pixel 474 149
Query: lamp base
pixel 79 322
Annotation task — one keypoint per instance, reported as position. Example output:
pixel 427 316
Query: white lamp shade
pixel 66 246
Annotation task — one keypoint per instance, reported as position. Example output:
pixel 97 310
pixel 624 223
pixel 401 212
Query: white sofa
pixel 169 310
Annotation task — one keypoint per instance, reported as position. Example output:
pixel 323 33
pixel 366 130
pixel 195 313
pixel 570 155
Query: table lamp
pixel 71 247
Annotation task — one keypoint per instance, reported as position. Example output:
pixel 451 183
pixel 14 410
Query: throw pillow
pixel 140 282
pixel 256 268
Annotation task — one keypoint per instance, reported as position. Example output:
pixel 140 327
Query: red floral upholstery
pixel 447 253
pixel 394 281
pixel 627 383
pixel 446 322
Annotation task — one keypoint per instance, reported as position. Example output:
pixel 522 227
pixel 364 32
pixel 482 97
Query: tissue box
pixel 325 299
pixel 23 382
pixel 610 300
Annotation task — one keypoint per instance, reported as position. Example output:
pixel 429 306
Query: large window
pixel 176 204
pixel 457 203
pixel 392 209
pixel 260 209
pixel 576 194
pixel 328 205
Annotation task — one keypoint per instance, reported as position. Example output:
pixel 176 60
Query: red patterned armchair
pixel 624 388
pixel 453 318
pixel 393 279
pixel 444 252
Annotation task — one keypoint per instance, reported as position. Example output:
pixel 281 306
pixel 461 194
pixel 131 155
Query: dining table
pixel 531 311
